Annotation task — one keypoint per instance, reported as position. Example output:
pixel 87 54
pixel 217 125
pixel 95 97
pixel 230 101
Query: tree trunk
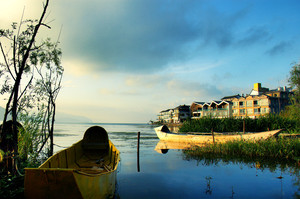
pixel 15 94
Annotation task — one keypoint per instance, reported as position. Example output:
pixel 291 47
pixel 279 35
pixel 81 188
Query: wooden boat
pixel 85 170
pixel 164 133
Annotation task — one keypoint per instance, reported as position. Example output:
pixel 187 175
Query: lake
pixel 173 175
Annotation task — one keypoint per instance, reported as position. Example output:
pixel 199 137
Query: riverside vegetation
pixel 265 123
pixel 276 149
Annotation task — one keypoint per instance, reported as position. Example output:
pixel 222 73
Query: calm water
pixel 171 175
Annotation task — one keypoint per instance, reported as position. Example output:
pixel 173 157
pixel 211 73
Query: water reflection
pixel 172 174
pixel 278 173
pixel 166 145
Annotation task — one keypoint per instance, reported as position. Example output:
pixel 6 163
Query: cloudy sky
pixel 126 60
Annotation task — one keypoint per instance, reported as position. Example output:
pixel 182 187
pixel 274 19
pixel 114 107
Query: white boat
pixel 165 134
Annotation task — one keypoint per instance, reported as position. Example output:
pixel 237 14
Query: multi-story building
pixel 217 109
pixel 181 113
pixel 166 116
pixel 250 106
pixel 176 115
pixel 259 102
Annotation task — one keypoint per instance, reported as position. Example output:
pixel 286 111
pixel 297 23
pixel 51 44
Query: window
pixel 264 110
pixel 242 111
pixel 235 104
pixel 249 103
pixel 257 110
pixel 255 103
pixel 241 104
pixel 250 111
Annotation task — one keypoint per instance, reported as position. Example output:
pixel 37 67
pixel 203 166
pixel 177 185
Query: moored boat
pixel 87 169
pixel 165 134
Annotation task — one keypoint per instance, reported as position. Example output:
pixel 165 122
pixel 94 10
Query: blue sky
pixel 126 60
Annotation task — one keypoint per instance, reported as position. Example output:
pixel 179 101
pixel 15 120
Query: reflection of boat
pixel 163 146
pixel 165 134
pixel 85 170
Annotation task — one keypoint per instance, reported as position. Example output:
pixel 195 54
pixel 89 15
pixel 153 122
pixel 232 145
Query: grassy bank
pixel 276 150
pixel 268 122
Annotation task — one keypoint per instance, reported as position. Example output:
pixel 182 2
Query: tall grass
pixel 279 149
pixel 268 122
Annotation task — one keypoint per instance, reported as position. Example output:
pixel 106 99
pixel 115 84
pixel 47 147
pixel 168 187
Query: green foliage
pixel 39 60
pixel 31 138
pixel 11 187
pixel 293 111
pixel 268 122
pixel 1 155
pixel 294 78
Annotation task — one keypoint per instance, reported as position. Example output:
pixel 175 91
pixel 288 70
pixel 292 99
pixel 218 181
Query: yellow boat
pixel 163 133
pixel 87 169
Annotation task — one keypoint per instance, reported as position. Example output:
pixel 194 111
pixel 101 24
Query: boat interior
pixel 93 154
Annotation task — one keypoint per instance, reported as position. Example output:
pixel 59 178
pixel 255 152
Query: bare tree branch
pixel 45 25
pixel 29 82
pixel 14 55
pixel 5 59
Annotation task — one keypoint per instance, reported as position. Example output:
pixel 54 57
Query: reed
pixel 265 123
pixel 279 149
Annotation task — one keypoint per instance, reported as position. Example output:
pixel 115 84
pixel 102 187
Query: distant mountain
pixel 68 118
pixel 2 111
pixel 59 117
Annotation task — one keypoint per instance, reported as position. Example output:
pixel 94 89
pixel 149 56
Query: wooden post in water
pixel 138 152
pixel 213 135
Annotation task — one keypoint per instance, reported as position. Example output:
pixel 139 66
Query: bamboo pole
pixel 138 152
pixel 213 135
pixel 244 127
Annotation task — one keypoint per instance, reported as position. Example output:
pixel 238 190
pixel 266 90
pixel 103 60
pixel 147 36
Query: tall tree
pixel 48 86
pixel 19 60
pixel 294 81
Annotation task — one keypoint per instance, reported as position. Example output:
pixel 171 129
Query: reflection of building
pixel 176 115
pixel 218 109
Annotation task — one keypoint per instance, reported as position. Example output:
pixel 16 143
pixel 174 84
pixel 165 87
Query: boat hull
pixel 164 134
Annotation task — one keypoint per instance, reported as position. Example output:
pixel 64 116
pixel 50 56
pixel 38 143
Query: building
pixel 217 109
pixel 176 115
pixel 181 113
pixel 251 106
pixel 259 102
pixel 166 116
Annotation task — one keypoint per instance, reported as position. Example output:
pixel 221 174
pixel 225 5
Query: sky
pixel 127 60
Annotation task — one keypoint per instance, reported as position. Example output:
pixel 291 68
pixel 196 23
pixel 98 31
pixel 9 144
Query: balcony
pixel 197 111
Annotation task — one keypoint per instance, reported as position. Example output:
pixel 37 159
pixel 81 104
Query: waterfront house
pixel 216 109
pixel 181 113
pixel 259 102
pixel 175 115
pixel 166 116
